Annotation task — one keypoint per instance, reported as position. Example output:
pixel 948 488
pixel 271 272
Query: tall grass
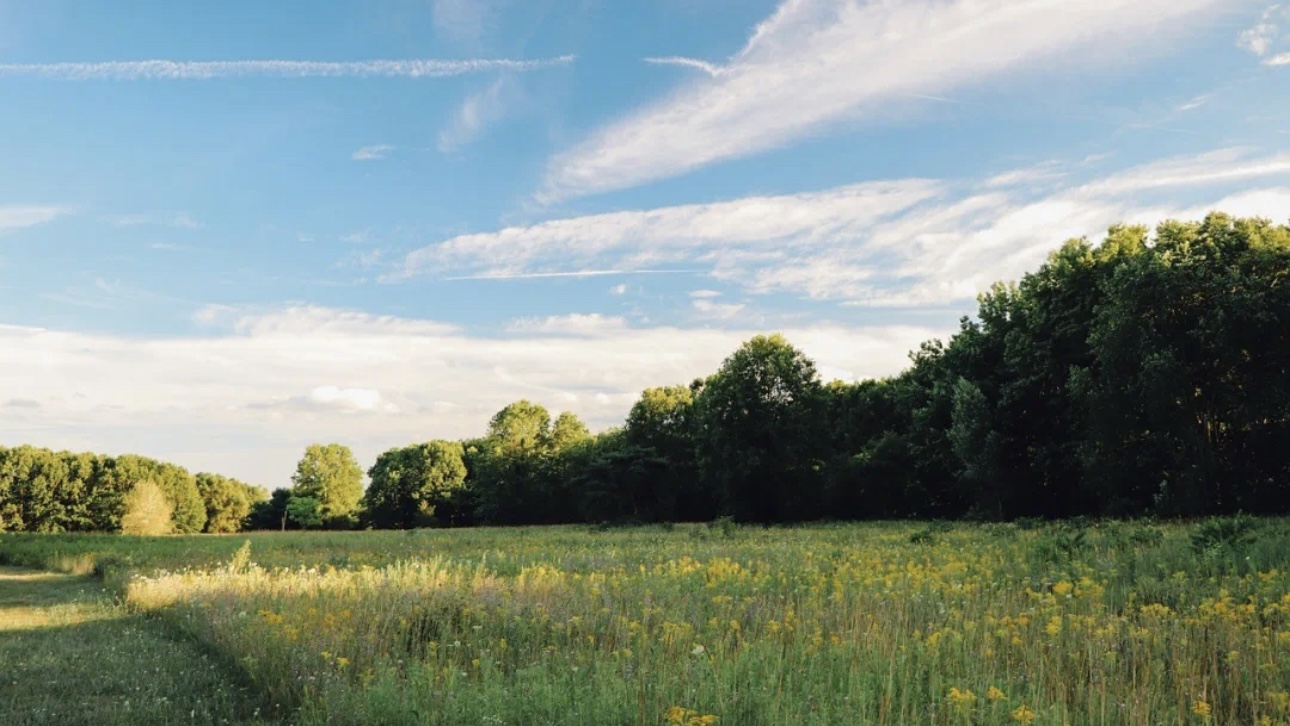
pixel 879 623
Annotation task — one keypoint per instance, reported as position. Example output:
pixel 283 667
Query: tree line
pixel 60 491
pixel 1142 375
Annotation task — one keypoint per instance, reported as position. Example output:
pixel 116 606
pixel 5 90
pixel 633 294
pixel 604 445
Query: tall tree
pixel 512 469
pixel 759 432
pixel 662 425
pixel 330 474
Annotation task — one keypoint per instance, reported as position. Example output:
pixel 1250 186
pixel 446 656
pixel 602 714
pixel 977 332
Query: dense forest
pixel 1143 375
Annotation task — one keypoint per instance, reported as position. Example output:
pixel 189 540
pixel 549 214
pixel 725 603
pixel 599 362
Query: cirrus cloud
pixel 818 62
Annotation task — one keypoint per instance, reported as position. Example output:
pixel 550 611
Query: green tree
pixel 330 474
pixel 271 512
pixel 661 425
pixel 228 502
pixel 1189 398
pixel 304 511
pixel 568 430
pixel 759 432
pixel 512 472
pixel 408 485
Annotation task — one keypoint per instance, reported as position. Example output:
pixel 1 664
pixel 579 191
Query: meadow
pixel 695 625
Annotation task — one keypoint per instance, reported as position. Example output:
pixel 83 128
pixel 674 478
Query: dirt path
pixel 69 656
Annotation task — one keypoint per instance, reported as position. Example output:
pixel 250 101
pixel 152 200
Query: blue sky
pixel 231 230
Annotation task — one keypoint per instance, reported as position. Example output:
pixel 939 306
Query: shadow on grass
pixel 73 657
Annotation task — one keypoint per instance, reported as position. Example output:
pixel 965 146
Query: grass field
pixel 891 623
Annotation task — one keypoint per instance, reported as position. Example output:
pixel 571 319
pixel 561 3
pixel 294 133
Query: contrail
pixel 711 69
pixel 167 70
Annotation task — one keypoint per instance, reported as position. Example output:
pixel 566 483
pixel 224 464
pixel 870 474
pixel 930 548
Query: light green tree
pixel 330 474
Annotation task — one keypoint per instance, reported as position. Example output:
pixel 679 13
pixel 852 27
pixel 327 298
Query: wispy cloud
pixel 714 309
pixel 206 70
pixel 814 63
pixel 911 242
pixel 541 275
pixel 641 240
pixel 18 217
pixel 372 153
pixel 102 294
pixel 480 110
pixel 1195 103
pixel 711 69
pixel 466 21
pixel 181 220
pixel 1282 59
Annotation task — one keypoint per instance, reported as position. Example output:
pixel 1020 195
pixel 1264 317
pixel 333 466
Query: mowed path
pixel 69 656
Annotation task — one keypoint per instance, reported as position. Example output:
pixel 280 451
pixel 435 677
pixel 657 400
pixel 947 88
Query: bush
pixel 147 511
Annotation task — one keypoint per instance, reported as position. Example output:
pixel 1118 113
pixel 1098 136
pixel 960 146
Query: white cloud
pixel 644 239
pixel 575 324
pixel 361 399
pixel 1282 59
pixel 911 242
pixel 18 217
pixel 713 309
pixel 619 289
pixel 372 153
pixel 247 401
pixel 205 70
pixel 819 62
pixel 480 110
pixel 1260 38
pixel 540 275
pixel 704 294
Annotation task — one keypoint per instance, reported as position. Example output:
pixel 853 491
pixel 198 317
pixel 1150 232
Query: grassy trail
pixel 69 656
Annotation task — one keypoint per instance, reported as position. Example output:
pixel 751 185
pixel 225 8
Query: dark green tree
pixel 759 434
pixel 409 485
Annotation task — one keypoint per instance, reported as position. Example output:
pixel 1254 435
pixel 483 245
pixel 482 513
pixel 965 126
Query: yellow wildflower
pixel 1201 708
pixel 963 698
pixel 994 694
pixel 1023 715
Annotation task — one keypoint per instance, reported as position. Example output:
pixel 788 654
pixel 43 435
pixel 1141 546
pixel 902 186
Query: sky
pixel 229 230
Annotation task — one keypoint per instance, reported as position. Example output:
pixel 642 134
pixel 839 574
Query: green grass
pixel 70 657
pixel 871 623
